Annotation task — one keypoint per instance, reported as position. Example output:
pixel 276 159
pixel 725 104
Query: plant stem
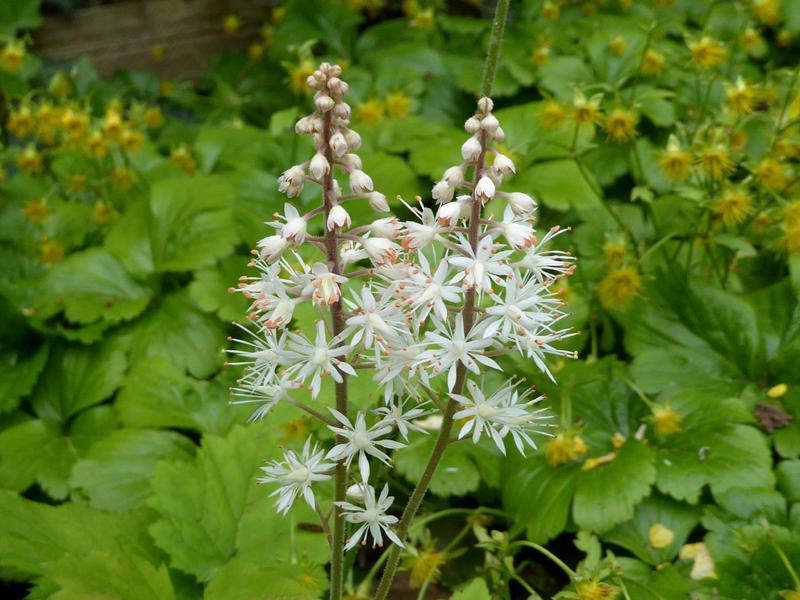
pixel 562 565
pixel 443 439
pixel 337 322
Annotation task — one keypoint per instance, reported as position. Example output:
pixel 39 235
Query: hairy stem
pixel 443 439
pixel 337 323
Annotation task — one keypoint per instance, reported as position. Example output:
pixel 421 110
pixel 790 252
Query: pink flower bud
pixel 360 182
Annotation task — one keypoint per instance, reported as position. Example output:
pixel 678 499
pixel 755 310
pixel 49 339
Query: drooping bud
pixel 338 144
pixel 503 165
pixel 377 202
pixel 521 204
pixel 324 103
pixel 319 166
pixel 448 214
pixel 442 192
pixel 454 176
pixel 338 218
pixel 360 182
pixel 271 247
pixel 484 191
pixel 471 149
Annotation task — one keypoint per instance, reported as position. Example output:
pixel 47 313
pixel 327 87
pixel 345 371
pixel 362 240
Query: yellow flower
pixel 617 46
pixel 20 122
pixel 123 178
pixel 11 57
pixel 152 116
pixel 30 161
pixel 157 52
pixel 97 145
pixel 716 162
pixel 707 52
pixel 767 11
pixel 255 52
pixel 790 595
pixel 370 112
pixel 51 252
pixel 424 20
pixel 297 77
pixel 409 7
pixel 113 126
pixel 425 566
pixel 265 31
pixel 660 536
pixel 564 447
pixel 550 11
pixel 183 158
pixel 741 97
pixel 60 85
pixel 598 461
pixel 36 211
pixel 76 183
pixel 619 287
pixel 703 563
pixel 791 240
pixel 665 420
pixel 771 173
pixel 552 115
pixel 294 429
pixel 784 38
pixel 132 140
pixel 230 24
pixel 675 161
pixel 777 391
pixel 733 207
pixel 74 124
pixel 397 105
pixel 620 126
pixel 540 55
pixel 277 14
pixel 103 212
pixel 750 39
pixel 652 63
pixel 614 252
pixel 165 87
pixel 586 112
pixel 595 590
pixel 791 214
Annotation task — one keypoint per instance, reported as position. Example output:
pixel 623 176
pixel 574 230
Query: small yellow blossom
pixel 30 161
pixel 60 85
pixel 716 162
pixel 183 158
pixel 424 20
pixel 231 24
pixel 540 55
pixel 675 161
pixel 97 145
pixel 652 63
pixel 74 123
pixel 596 590
pixel 707 52
pixel 297 77
pixel 598 461
pixel 153 117
pixel 36 211
pixel 277 14
pixel 784 148
pixel 738 139
pixel 771 173
pixel 103 212
pixel 76 183
pixel 397 105
pixel 266 33
pixel 620 126
pixel 550 11
pixel 552 115
pixel 791 239
pixel 777 391
pixel 614 252
pixel 157 52
pixel 741 97
pixel 564 447
pixel 370 112
pixel 123 178
pixel 734 207
pixel 619 287
pixel 750 39
pixel 11 57
pixel 51 252
pixel 767 12
pixel 165 87
pixel 425 566
pixel 113 126
pixel 791 214
pixel 666 421
pixel 21 122
pixel 660 536
pixel 618 440
pixel 294 429
pixel 703 567
pixel 784 38
pixel 617 46
pixel 586 111
pixel 255 52
pixel 132 140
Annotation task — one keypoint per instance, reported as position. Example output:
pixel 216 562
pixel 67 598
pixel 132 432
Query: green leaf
pixel 240 580
pixel 474 590
pixel 115 473
pixel 192 222
pixel 77 377
pixel 559 184
pixel 181 334
pixel 156 394
pixel 788 475
pixel 457 473
pixel 128 238
pixel 391 176
pixel 634 535
pixel 607 494
pixel 232 146
pixel 17 377
pixel 94 285
pixel 562 74
pixel 210 288
pixel 35 451
pixel 20 14
pixel 211 510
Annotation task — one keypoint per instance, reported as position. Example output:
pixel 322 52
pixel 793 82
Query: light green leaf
pixel 474 590
pixel 93 285
pixel 35 451
pixel 192 222
pixel 788 475
pixel 17 377
pixel 115 473
pixel 559 184
pixel 128 238
pixel 607 494
pixel 456 474
pixel 240 580
pixel 210 288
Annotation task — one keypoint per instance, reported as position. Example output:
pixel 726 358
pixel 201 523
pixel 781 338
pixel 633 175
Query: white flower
pixel 264 354
pixel 518 232
pixel 448 214
pixel 398 372
pixel 294 227
pixel 376 321
pixel 352 161
pixel 373 517
pixel 429 291
pixel 388 227
pixel 480 268
pixel 490 123
pixel 445 349
pixel 353 139
pixel 305 359
pixel 537 344
pixel 338 144
pixel 454 176
pixel 504 412
pixel 319 166
pixel 360 182
pixel 296 473
pixel 291 181
pixel 338 217
pixel 271 247
pixel 326 285
pixel 377 202
pixel 324 102
pixel 419 235
pixel 381 251
pixel 342 110
pixel 503 165
pixel 547 264
pixel 484 191
pixel 471 149
pixel 394 415
pixel 362 441
pixel 521 204
pixel 485 104
pixel 267 396
pixel 472 125
pixel 442 192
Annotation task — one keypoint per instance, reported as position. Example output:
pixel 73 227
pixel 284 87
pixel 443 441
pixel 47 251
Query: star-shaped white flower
pixel 481 267
pixel 296 473
pixel 362 441
pixel 372 517
pixel 305 359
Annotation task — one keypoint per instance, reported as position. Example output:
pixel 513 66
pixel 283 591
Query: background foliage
pixel 129 205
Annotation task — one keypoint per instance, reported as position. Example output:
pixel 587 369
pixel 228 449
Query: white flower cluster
pixel 426 316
